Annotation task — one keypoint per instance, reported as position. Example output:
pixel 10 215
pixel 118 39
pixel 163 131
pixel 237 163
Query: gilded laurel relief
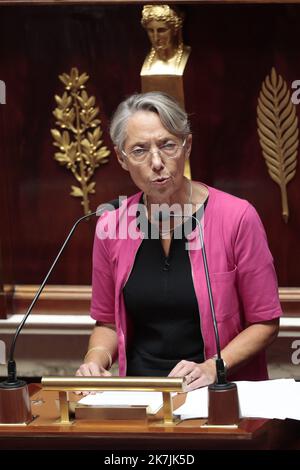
pixel 78 135
pixel 278 133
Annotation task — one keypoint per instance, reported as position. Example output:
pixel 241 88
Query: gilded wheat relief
pixel 278 133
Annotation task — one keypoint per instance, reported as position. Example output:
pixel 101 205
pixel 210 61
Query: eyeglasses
pixel 167 150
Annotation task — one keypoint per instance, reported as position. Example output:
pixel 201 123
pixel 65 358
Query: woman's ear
pixel 188 146
pixel 121 159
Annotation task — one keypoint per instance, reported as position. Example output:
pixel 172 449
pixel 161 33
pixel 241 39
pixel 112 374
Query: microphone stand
pixel 14 395
pixel 223 403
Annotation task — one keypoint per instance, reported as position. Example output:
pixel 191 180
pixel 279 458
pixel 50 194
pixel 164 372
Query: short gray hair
pixel 172 116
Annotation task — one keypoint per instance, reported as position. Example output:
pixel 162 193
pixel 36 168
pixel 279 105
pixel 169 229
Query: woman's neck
pixel 182 196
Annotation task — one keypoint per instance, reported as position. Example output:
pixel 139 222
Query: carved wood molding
pixel 67 300
pixel 56 292
pixel 72 300
pixel 289 294
pixel 290 301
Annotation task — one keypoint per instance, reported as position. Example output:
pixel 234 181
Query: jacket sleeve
pixel 103 286
pixel 256 277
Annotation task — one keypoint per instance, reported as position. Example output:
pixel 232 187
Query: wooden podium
pixel 46 432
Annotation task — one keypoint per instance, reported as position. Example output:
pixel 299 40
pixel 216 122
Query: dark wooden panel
pixel 233 51
pixel 6 208
pixel 233 48
pixel 46 42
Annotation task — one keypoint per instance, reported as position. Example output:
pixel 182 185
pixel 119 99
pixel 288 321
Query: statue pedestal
pixel 170 84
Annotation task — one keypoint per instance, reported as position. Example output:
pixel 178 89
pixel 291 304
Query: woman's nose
pixel 156 160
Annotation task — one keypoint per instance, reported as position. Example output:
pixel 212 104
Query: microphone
pixel 14 395
pixel 223 406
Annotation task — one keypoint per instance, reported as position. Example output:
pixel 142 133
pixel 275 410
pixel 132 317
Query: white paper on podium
pixel 153 400
pixel 195 406
pixel 262 399
pixel 293 405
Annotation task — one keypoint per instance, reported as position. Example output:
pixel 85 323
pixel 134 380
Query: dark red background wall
pixel 233 48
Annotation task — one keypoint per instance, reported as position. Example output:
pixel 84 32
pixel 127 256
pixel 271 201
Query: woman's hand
pixel 91 369
pixel 197 375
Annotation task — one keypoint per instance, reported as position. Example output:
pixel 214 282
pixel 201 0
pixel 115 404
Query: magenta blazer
pixel 241 269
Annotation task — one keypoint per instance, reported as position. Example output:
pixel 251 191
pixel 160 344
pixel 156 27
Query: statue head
pixel 163 25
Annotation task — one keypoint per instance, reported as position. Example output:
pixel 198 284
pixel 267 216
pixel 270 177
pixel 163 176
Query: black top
pixel 160 299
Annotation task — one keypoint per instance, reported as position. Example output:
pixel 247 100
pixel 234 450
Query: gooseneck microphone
pixel 223 398
pixel 20 395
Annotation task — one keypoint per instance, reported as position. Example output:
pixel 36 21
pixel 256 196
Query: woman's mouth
pixel 161 181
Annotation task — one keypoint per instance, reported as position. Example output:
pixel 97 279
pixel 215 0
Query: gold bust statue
pixel 168 55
